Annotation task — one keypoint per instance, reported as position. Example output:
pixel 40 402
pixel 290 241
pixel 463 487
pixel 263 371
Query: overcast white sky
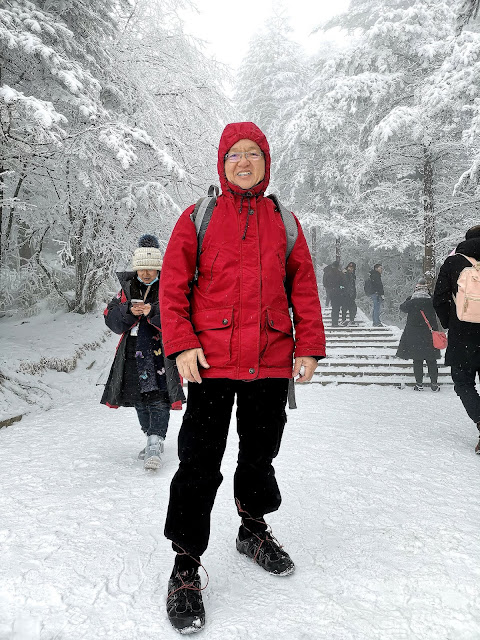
pixel 228 25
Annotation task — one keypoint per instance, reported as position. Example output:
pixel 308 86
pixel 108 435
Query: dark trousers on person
pixel 350 306
pixel 202 439
pixel 432 371
pixel 464 381
pixel 337 300
pixel 328 297
pixel 153 417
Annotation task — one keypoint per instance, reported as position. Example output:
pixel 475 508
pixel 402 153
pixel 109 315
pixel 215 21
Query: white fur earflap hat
pixel 148 254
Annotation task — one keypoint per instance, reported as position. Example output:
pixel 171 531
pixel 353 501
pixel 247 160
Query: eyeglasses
pixel 236 156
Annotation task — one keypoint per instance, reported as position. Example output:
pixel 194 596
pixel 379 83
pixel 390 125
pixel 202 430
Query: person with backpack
pixel 140 376
pixel 457 302
pixel 226 321
pixel 416 341
pixel 374 288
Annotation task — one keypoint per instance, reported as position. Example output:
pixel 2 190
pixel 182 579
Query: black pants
pixel 350 306
pixel 261 419
pixel 464 381
pixel 337 301
pixel 432 371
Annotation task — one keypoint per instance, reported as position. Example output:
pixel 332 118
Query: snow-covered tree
pixel 393 156
pixel 271 77
pixel 89 147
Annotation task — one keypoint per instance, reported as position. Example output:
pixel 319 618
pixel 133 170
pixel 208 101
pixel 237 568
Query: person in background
pixel 327 280
pixel 140 376
pixel 350 294
pixel 375 290
pixel 232 335
pixel 463 350
pixel 416 340
pixel 337 291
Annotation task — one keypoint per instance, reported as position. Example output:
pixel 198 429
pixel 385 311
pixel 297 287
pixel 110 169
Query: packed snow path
pixel 380 513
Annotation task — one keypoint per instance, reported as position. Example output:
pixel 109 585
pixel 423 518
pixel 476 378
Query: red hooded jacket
pixel 237 311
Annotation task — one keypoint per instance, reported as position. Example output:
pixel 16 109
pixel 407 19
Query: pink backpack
pixel 467 299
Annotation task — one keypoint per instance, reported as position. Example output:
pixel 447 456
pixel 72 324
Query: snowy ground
pixel 34 349
pixel 380 513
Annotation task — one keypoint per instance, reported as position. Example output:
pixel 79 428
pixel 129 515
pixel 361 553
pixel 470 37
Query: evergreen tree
pixel 90 155
pixel 393 156
pixel 271 77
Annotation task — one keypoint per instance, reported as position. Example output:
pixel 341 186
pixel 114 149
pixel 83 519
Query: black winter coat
pixel 416 342
pixel 336 284
pixel 122 387
pixel 350 280
pixel 376 280
pixel 328 276
pixel 463 337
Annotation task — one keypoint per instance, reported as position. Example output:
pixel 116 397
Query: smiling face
pixel 245 173
pixel 147 275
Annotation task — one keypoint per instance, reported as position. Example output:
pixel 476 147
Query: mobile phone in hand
pixel 137 301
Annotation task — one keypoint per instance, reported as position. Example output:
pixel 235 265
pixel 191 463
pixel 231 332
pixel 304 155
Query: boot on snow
pixel 153 452
pixel 184 601
pixel 265 551
pixel 141 455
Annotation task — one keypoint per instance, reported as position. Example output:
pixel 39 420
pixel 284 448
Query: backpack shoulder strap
pixel 472 261
pixel 289 223
pixel 202 214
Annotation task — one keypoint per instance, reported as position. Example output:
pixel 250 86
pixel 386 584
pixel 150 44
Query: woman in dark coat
pixel 140 376
pixel 416 342
pixel 350 294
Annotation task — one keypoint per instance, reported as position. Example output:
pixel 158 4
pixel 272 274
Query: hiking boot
pixel 153 452
pixel 141 455
pixel 418 387
pixel 184 601
pixel 265 551
pixel 435 388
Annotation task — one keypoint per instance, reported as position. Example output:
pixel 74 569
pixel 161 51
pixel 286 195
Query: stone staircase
pixel 362 354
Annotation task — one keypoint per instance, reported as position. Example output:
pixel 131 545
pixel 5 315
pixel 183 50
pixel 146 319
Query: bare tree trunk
pixel 428 216
pixel 2 195
pixel 12 208
pixel 337 250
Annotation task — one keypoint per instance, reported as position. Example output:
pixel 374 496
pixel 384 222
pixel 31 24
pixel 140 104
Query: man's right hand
pixel 187 364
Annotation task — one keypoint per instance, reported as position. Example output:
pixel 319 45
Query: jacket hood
pixel 470 248
pixel 231 134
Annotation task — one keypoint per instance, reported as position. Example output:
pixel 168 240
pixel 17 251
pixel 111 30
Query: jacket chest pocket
pixel 214 329
pixel 277 339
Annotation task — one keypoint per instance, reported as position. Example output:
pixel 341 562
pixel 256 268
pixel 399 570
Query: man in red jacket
pixel 232 336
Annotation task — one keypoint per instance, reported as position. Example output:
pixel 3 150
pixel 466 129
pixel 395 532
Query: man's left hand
pixel 309 364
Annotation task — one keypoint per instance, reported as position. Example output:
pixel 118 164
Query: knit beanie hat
pixel 148 254
pixel 421 285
